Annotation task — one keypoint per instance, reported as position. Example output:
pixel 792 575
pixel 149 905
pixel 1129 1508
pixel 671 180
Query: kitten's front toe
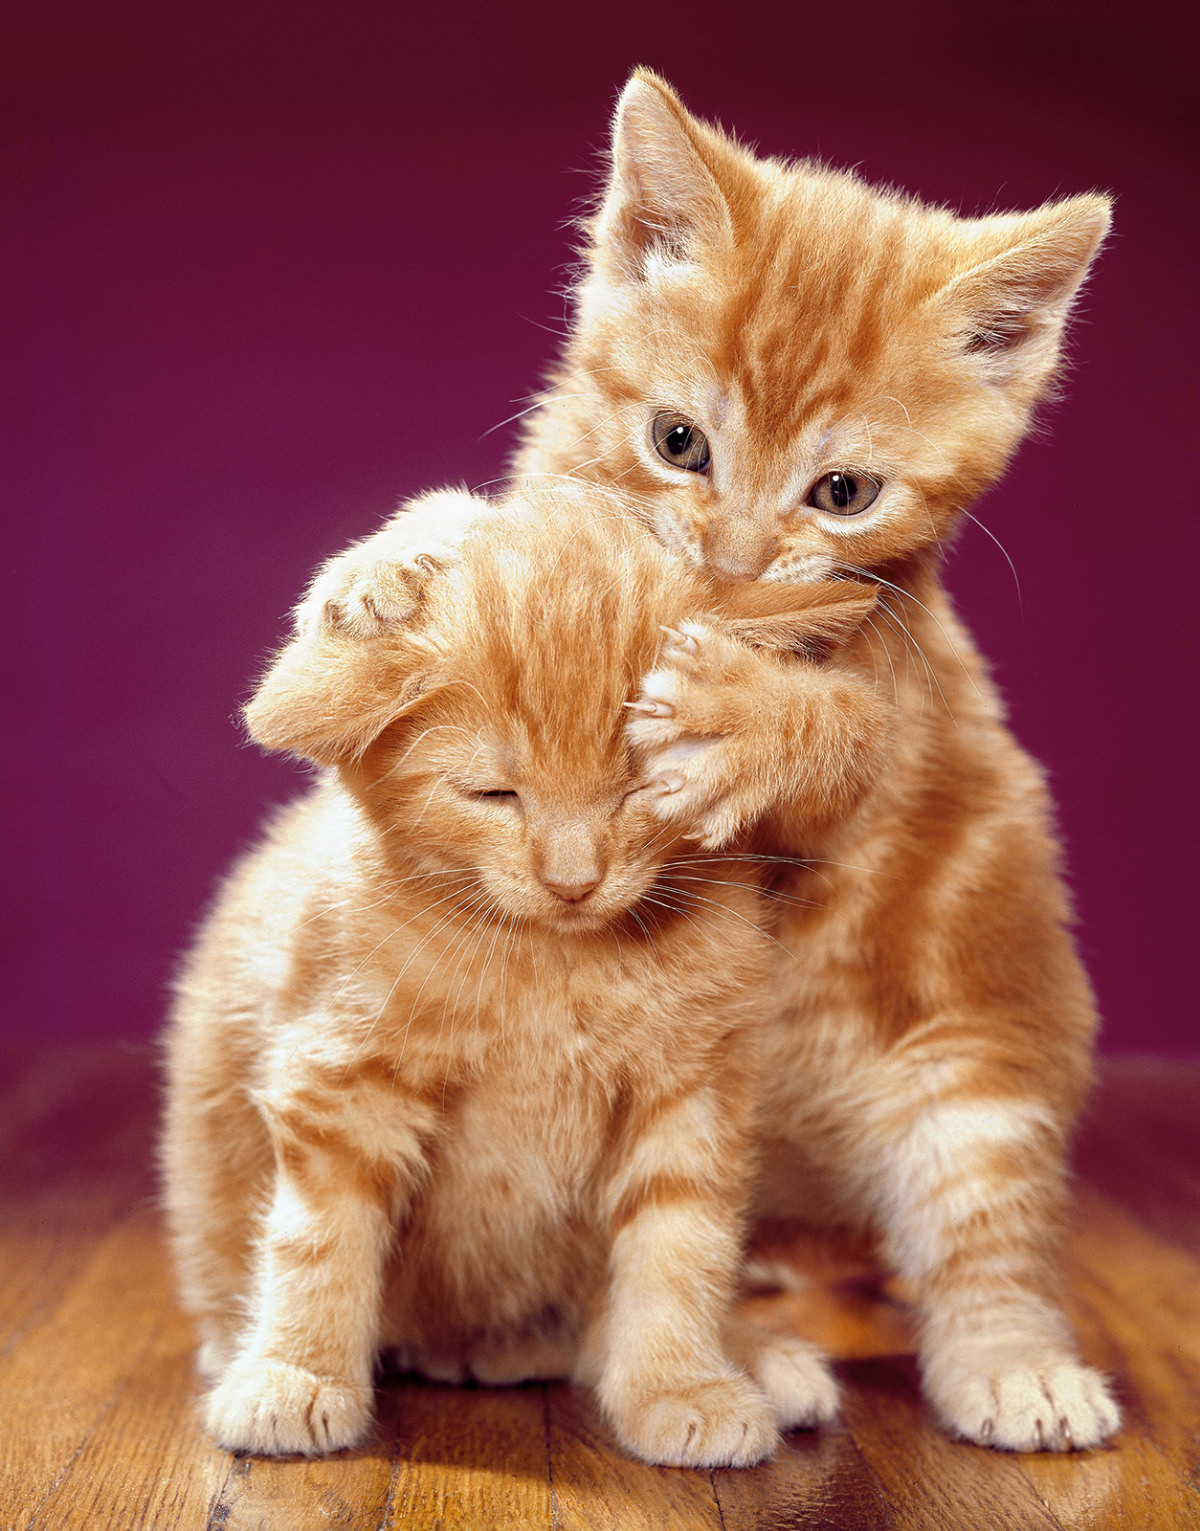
pixel 272 1408
pixel 721 1422
pixel 679 645
pixel 794 1376
pixel 687 725
pixel 366 599
pixel 1048 1405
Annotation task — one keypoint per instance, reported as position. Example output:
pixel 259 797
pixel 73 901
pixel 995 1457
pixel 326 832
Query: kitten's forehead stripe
pixel 527 604
pixel 802 366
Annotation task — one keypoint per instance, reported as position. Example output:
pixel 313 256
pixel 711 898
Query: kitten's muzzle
pixel 737 548
pixel 569 858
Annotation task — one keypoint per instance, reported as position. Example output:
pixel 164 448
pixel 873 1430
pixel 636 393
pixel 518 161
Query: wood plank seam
pixel 393 1479
pixel 555 1517
pixel 104 1408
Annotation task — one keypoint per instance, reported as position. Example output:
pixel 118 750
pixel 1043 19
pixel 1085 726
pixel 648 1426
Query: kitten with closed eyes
pixel 464 1064
pixel 799 379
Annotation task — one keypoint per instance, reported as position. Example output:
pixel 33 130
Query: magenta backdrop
pixel 267 271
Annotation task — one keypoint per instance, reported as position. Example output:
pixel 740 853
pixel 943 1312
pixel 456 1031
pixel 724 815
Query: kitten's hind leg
pixel 792 1373
pixel 503 1360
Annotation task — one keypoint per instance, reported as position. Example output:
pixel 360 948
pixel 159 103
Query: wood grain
pixel 98 1425
pixel 594 1486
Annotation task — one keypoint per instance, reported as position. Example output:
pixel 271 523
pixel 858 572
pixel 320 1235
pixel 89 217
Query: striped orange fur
pixel 799 381
pixel 931 1025
pixel 464 1064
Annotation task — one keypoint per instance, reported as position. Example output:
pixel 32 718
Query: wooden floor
pixel 98 1425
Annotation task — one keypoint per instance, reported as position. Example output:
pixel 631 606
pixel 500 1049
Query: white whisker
pixel 988 532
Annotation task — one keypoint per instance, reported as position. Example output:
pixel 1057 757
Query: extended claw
pixel 670 781
pixel 1064 1431
pixel 650 708
pixel 683 641
pixel 1040 1435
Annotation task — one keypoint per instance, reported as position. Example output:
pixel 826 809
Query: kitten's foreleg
pixel 727 733
pixel 971 1195
pixel 300 1380
pixel 655 1354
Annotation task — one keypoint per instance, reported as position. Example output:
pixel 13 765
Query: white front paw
pixel 378 583
pixel 1025 1404
pixel 718 1422
pixel 679 727
pixel 365 596
pixel 275 1409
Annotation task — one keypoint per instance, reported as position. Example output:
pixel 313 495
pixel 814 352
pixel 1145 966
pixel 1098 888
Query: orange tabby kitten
pixel 799 378
pixel 464 1062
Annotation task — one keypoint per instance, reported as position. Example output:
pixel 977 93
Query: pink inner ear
pixel 1027 289
pixel 662 193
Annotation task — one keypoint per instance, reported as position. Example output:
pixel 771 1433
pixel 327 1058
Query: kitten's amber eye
pixel 843 494
pixel 680 443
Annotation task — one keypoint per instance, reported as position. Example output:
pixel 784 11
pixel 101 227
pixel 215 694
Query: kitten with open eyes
pixel 798 378
pixel 464 1063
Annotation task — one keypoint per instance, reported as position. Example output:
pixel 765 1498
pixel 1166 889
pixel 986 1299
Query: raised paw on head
pixel 378 583
pixel 364 595
pixel 689 726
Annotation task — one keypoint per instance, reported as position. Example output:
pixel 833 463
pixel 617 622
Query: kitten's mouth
pixel 579 926
pixel 584 913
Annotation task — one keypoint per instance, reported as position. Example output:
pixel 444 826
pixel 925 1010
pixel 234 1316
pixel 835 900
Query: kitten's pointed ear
pixel 1009 308
pixel 662 191
pixel 327 697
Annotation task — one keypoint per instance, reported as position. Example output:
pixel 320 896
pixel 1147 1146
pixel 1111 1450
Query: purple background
pixel 267 271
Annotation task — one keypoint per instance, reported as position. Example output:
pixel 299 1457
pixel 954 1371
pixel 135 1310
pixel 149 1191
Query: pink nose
pixel 571 892
pixel 569 859
pixel 738 549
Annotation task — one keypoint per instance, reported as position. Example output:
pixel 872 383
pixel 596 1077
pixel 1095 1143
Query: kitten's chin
pixel 529 907
pixel 584 918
